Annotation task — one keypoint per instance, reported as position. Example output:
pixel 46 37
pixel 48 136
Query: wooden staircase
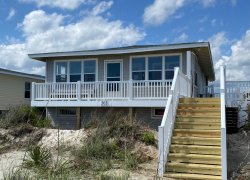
pixel 195 150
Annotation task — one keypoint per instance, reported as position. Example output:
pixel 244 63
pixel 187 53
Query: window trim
pixel 64 115
pixel 115 61
pixel 153 116
pixel 154 55
pixel 68 68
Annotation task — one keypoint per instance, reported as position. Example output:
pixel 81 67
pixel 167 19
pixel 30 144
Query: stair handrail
pixel 223 122
pixel 165 130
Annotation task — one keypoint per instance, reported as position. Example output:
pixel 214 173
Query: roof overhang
pixel 201 49
pixel 20 74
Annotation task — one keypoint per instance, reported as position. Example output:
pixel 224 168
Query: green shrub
pixel 148 138
pixel 37 156
pixel 131 161
pixel 23 114
pixel 99 148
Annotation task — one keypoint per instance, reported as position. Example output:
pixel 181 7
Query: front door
pixel 113 75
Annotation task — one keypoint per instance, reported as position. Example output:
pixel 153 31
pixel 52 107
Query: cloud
pixel 11 14
pixel 159 12
pixel 238 62
pixel 89 33
pixel 39 22
pixel 182 38
pixel 63 4
pixel 102 7
pixel 208 3
pixel 47 32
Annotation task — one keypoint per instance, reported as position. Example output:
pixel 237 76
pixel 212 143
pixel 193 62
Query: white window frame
pixel 162 60
pixel 113 61
pixel 96 69
pixel 68 68
pixel 131 70
pixel 154 55
pixel 153 116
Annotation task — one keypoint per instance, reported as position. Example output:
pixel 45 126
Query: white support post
pixel 33 91
pixel 223 124
pixel 78 90
pixel 130 89
pixel 189 70
pixel 161 167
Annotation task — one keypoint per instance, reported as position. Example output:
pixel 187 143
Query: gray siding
pixel 184 63
pixel 101 59
pixel 142 114
pixel 63 122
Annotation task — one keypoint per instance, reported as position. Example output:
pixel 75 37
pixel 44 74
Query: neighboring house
pixel 143 80
pixel 134 79
pixel 15 88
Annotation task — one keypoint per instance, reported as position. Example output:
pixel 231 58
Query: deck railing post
pixel 78 87
pixel 33 91
pixel 130 89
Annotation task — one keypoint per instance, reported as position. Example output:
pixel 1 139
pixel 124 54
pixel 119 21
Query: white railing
pixel 121 90
pixel 223 123
pixel 181 86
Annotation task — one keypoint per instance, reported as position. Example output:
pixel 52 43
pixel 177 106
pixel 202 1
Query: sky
pixel 37 26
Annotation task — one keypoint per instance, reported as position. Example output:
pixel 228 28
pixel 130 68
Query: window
pixel 155 68
pixel 170 63
pixel 89 70
pixel 138 68
pixel 27 90
pixel 75 71
pixel 157 112
pixel 66 111
pixel 61 72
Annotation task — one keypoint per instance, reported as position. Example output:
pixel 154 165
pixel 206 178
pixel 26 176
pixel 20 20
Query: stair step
pixel 199 106
pixel 195 149
pixel 196 141
pixel 191 176
pixel 199 100
pixel 195 125
pixel 197 119
pixel 194 168
pixel 194 158
pixel 196 133
pixel 205 112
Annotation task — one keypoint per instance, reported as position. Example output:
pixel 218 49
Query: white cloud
pixel 90 33
pixel 238 62
pixel 38 22
pixel 217 42
pixel 11 14
pixel 102 7
pixel 159 12
pixel 44 32
pixel 63 4
pixel 208 3
pixel 182 38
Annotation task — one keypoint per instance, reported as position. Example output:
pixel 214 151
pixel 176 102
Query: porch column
pixel 78 118
pixel 189 64
pixel 189 71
